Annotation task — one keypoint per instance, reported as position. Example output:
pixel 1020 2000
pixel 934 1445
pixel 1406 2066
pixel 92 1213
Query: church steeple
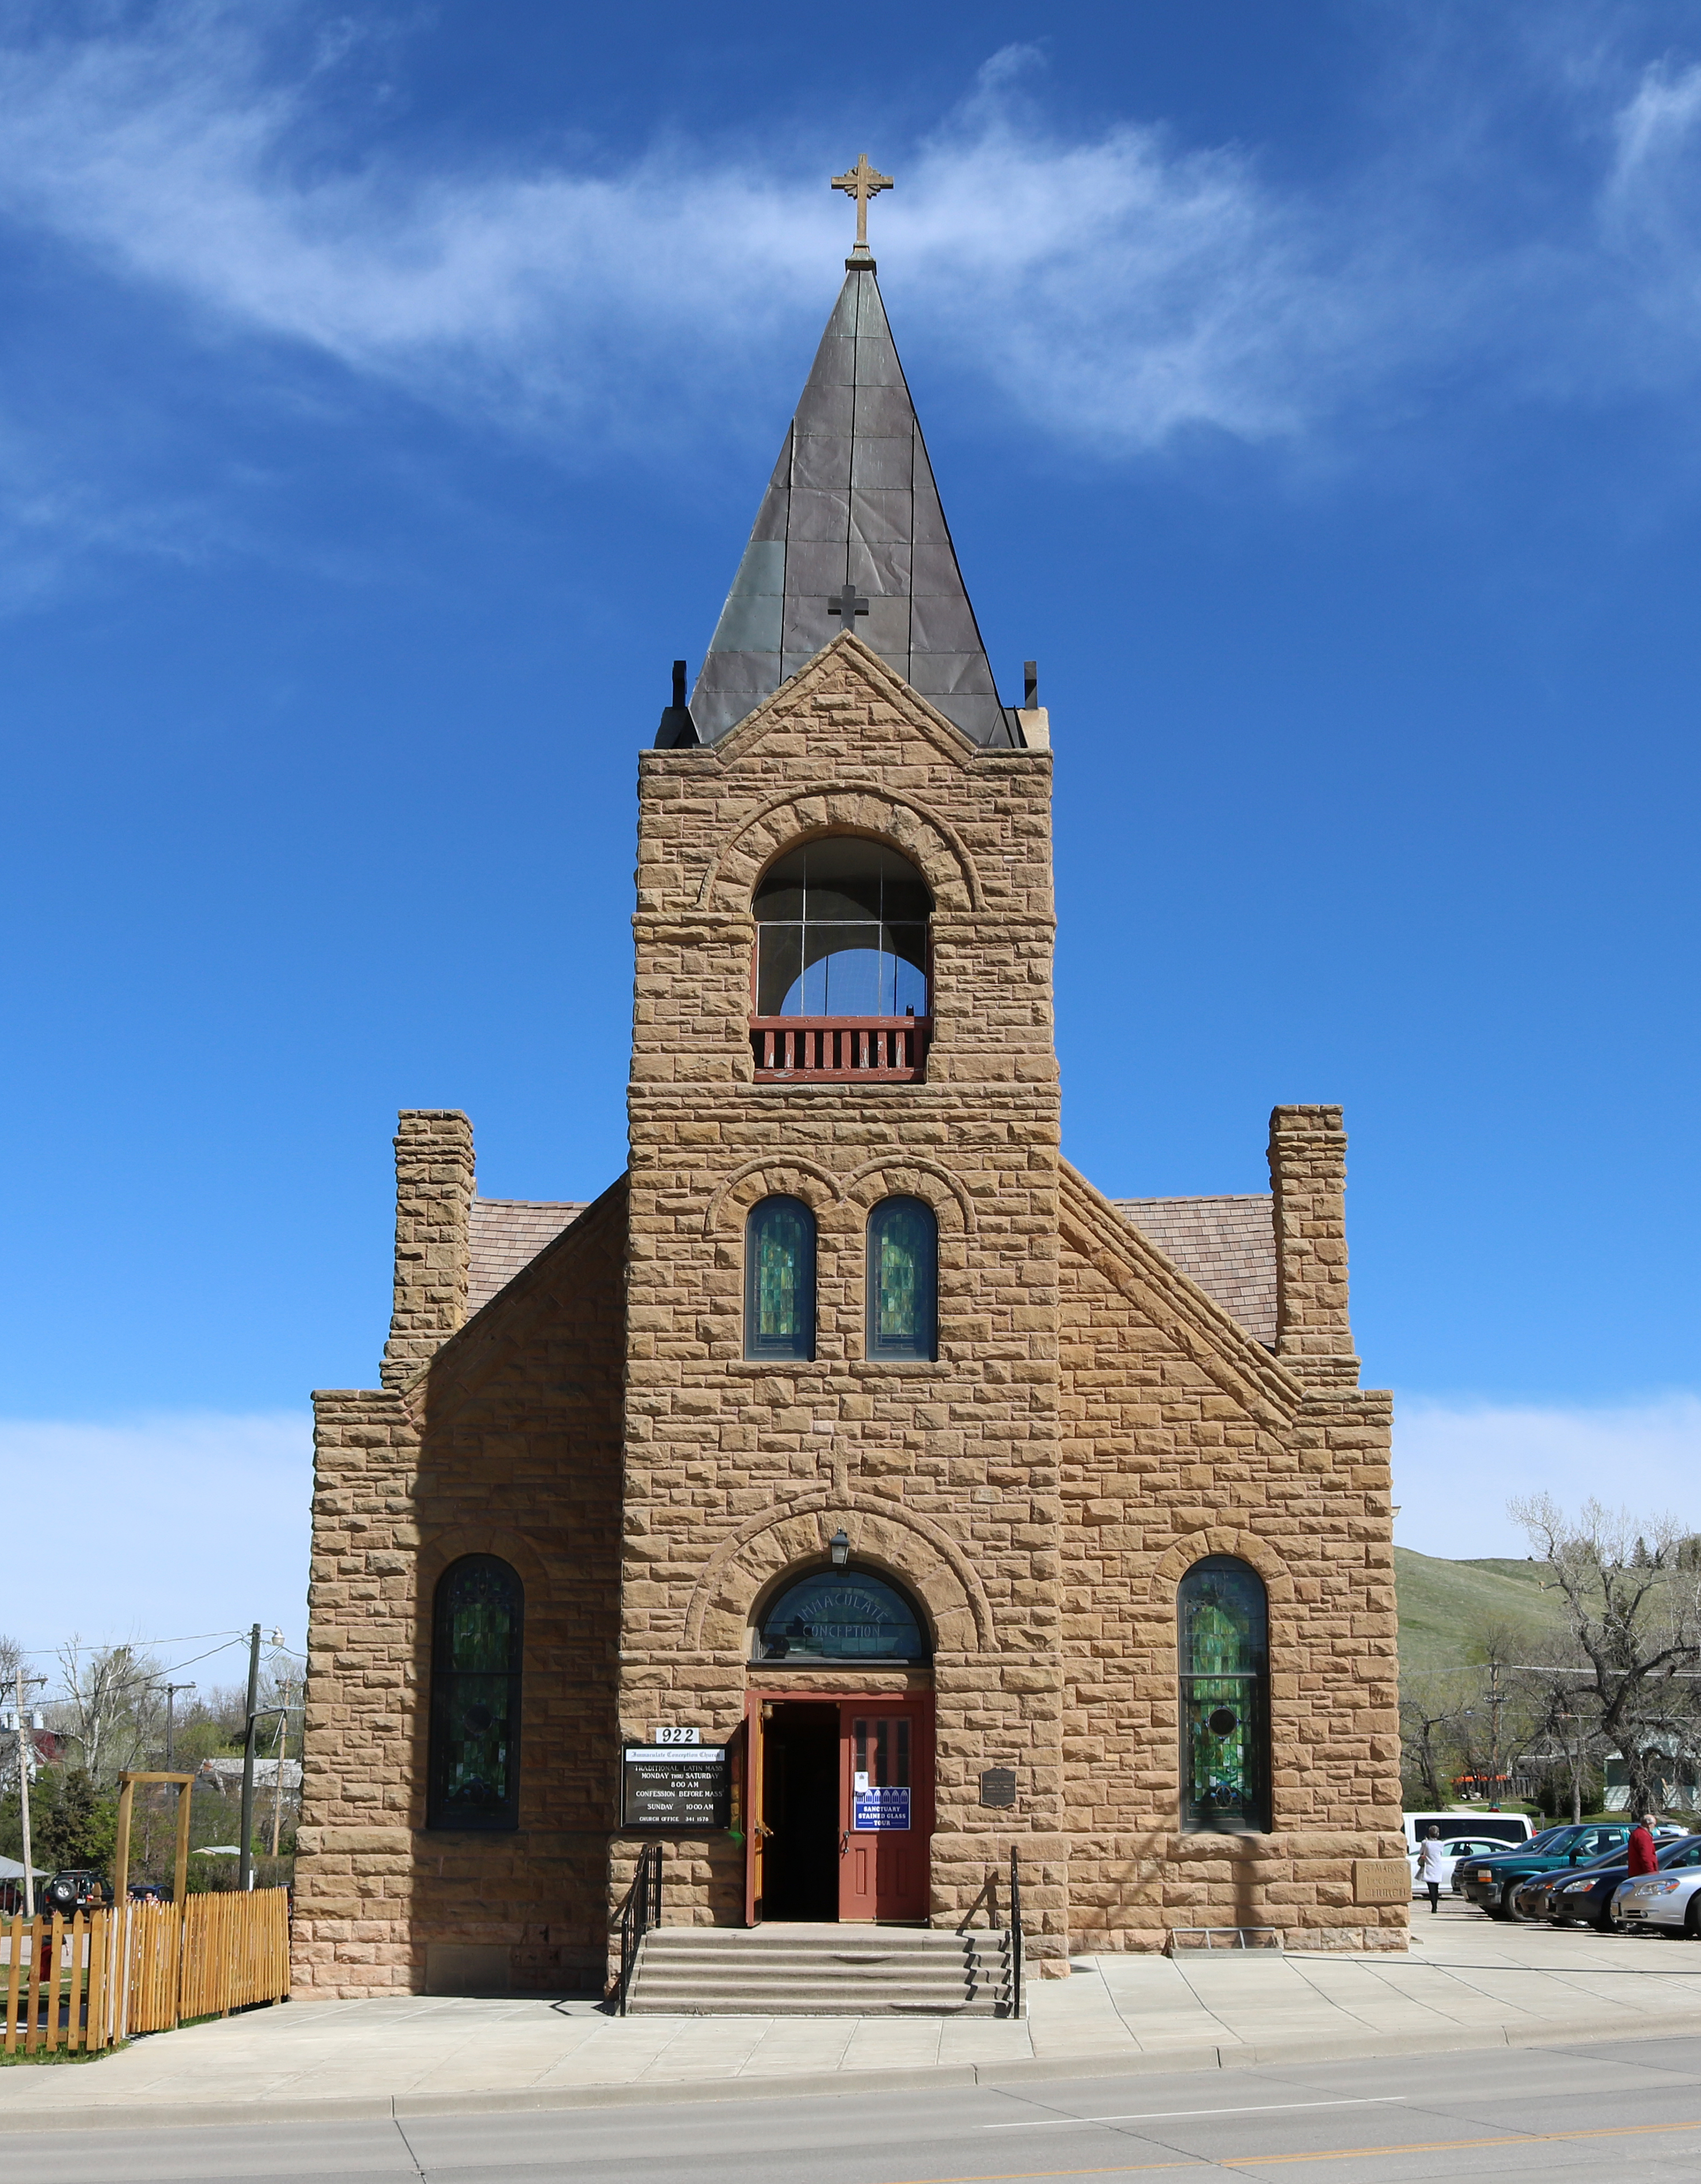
pixel 852 517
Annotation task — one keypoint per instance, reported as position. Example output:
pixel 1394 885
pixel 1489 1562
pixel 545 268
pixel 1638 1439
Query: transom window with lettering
pixel 1224 1623
pixel 842 931
pixel 841 1615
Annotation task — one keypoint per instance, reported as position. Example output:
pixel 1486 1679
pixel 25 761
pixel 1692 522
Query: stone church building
pixel 951 1506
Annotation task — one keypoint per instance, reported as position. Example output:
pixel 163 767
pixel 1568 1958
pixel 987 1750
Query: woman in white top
pixel 1432 1866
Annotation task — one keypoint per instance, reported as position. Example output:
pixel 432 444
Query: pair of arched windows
pixel 903 1279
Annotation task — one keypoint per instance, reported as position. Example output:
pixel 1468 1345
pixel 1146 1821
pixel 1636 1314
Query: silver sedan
pixel 1669 1901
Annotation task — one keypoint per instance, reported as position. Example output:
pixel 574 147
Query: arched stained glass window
pixel 903 1279
pixel 477 1632
pixel 841 1615
pixel 1224 1661
pixel 779 1280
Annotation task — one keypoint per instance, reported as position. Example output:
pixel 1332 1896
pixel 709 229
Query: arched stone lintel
pixel 768 1178
pixel 902 1174
pixel 854 807
pixel 437 1551
pixel 1178 1559
pixel 922 1557
pixel 829 1195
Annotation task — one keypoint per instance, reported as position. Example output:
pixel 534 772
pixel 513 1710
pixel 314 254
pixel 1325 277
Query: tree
pixel 109 1709
pixel 1431 1707
pixel 74 1825
pixel 12 1658
pixel 1633 1592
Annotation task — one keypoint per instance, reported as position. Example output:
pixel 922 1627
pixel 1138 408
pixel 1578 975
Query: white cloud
pixel 1117 289
pixel 1135 289
pixel 1456 1465
pixel 157 1527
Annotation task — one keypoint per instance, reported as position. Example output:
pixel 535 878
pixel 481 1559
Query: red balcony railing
pixel 881 1050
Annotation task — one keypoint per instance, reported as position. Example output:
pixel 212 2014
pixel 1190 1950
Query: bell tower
pixel 843 1006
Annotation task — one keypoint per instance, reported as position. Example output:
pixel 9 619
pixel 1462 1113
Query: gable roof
pixel 506 1234
pixel 1227 1245
pixel 852 501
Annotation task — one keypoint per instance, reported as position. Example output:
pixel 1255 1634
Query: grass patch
pixel 61 2055
pixel 1447 1607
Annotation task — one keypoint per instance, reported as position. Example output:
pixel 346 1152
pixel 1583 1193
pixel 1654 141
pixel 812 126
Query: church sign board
pixel 665 1786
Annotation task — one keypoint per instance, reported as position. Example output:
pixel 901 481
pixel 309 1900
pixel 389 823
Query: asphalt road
pixel 1628 2110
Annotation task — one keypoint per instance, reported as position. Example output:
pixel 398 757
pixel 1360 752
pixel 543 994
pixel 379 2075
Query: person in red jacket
pixel 1643 1857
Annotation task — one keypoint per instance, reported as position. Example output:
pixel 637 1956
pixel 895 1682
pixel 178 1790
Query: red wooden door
pixel 755 1821
pixel 886 1807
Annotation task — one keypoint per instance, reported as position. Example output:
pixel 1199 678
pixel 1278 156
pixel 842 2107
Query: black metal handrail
pixel 641 1910
pixel 1016 1933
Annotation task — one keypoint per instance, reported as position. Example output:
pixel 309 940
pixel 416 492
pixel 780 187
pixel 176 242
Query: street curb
pixel 399 2108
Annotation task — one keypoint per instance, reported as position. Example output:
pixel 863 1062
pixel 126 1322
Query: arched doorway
pixel 840 1784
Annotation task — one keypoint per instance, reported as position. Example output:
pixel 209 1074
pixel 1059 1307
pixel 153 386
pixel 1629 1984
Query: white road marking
pixel 1158 2115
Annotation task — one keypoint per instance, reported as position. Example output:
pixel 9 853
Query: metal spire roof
pixel 852 502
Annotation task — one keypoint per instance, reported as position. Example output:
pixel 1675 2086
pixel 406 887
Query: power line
pixel 77 1646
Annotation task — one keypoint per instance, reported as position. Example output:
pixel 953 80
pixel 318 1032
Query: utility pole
pixel 245 1864
pixel 1494 1734
pixel 171 1691
pixel 25 1753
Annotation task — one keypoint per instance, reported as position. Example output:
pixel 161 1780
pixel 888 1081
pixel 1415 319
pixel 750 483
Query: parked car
pixel 1585 1897
pixel 1491 1883
pixel 75 1889
pixel 149 1891
pixel 1458 1846
pixel 1671 1898
pixel 1497 1831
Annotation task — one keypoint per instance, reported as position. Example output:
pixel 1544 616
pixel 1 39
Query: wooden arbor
pixel 120 1862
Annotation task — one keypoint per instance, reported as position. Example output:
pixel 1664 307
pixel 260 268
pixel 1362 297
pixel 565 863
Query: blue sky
pixel 385 396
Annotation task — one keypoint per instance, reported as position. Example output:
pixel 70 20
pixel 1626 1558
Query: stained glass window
pixel 779 1280
pixel 1225 1665
pixel 841 1615
pixel 842 931
pixel 475 1654
pixel 903 1279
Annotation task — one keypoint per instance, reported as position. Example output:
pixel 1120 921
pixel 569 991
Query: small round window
pixel 841 1615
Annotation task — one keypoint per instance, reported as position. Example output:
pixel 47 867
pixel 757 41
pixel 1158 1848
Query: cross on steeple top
pixel 848 603
pixel 861 182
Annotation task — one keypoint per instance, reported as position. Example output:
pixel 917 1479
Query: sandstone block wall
pixel 507 1443
pixel 1182 1438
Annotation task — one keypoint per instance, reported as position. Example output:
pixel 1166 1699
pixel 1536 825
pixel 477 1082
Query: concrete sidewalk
pixel 1466 1983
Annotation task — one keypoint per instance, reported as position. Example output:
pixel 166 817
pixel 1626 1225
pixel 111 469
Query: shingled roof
pixel 1227 1245
pixel 507 1234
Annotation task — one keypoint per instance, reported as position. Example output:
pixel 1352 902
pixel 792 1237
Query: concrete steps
pixel 820 1971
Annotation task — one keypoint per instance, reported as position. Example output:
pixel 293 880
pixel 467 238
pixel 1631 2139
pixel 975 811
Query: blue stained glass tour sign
pixel 880 1812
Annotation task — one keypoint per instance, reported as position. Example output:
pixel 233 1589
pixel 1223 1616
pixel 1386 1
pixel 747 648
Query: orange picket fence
pixel 94 1979
pixel 236 1951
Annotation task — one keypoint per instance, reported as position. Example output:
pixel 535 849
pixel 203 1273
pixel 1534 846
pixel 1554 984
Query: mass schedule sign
pixel 677 1787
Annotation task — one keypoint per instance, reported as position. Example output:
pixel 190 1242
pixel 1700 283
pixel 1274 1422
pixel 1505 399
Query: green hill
pixel 1447 1608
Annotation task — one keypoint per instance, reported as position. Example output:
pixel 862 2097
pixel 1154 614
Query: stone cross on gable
pixel 862 183
pixel 848 604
